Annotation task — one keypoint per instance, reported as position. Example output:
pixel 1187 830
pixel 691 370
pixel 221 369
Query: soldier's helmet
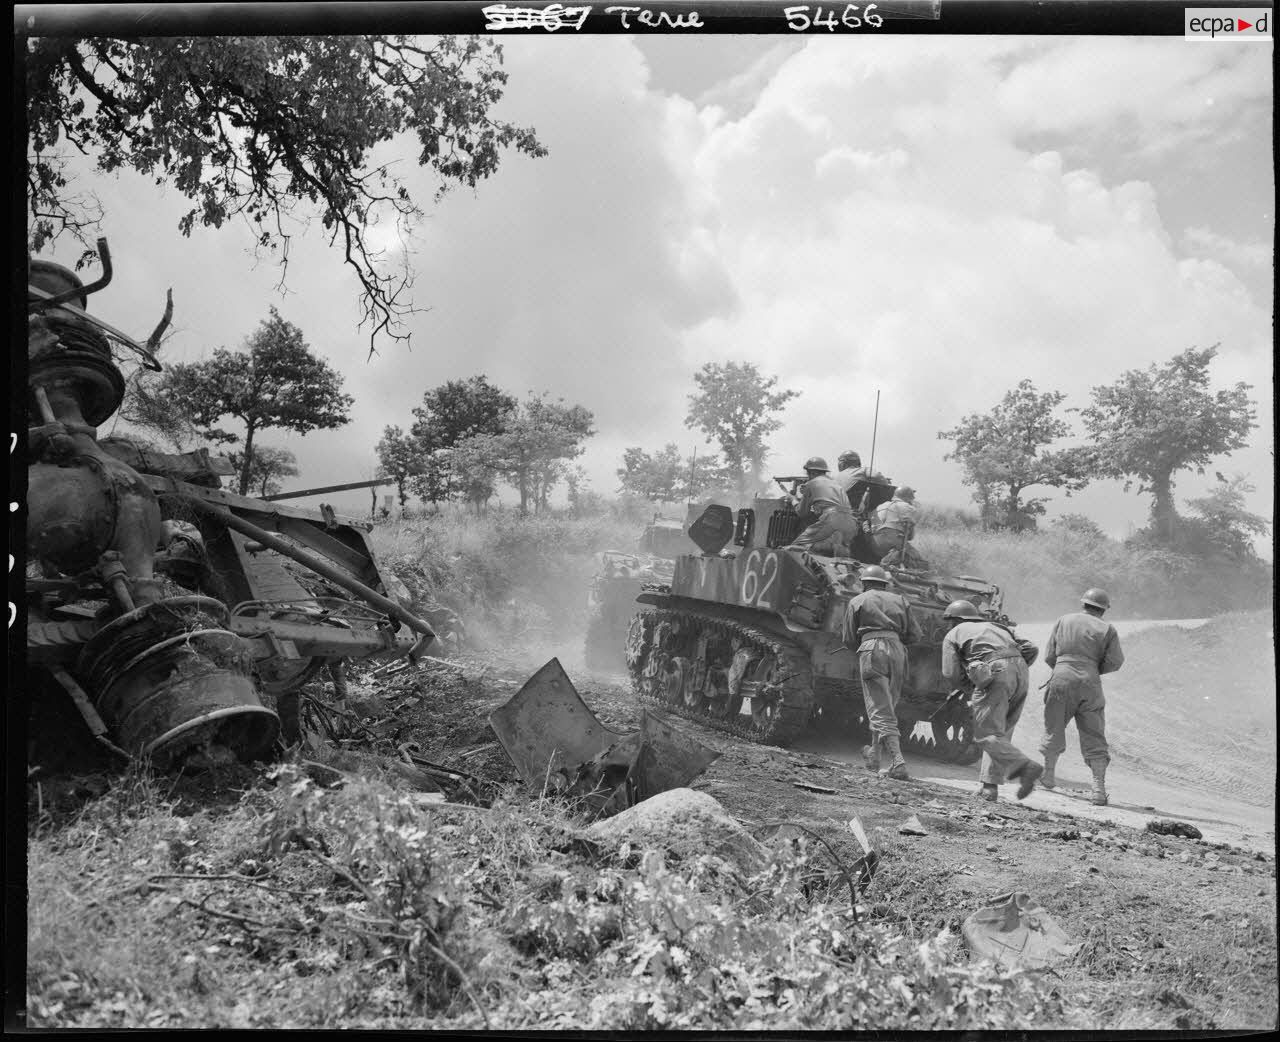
pixel 848 459
pixel 816 463
pixel 963 610
pixel 906 492
pixel 873 573
pixel 1096 598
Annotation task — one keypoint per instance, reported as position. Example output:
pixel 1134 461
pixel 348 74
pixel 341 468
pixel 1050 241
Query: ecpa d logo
pixel 1227 23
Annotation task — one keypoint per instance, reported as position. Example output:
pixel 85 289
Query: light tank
pixel 181 619
pixel 619 578
pixel 745 636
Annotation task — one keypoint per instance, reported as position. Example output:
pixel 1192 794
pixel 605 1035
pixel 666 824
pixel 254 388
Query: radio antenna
pixel 875 426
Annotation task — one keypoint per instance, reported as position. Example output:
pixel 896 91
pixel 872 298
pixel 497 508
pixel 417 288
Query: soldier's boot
pixel 1027 776
pixel 989 792
pixel 1099 768
pixel 897 763
pixel 1047 780
pixel 871 754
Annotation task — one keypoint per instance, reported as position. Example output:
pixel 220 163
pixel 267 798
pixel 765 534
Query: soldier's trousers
pixel 832 533
pixel 1075 693
pixel 996 710
pixel 882 666
pixel 889 550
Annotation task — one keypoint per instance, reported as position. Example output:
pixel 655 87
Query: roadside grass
pixel 1043 573
pixel 362 906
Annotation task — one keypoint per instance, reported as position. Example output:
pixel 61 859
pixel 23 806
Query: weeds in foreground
pixel 364 906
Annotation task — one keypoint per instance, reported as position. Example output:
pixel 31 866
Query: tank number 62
pixel 759 578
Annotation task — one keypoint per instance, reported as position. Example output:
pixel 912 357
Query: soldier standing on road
pixel 824 507
pixel 877 625
pixel 893 526
pixel 1081 648
pixel 980 653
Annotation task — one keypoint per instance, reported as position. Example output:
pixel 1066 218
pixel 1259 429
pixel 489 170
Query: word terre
pixel 560 16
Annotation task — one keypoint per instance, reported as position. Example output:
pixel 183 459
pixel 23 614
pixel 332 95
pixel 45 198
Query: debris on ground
pixel 809 787
pixel 1017 932
pixel 1168 827
pixel 685 823
pixel 912 827
pixel 557 742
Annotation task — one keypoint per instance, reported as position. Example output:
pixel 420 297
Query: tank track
pixel 699 667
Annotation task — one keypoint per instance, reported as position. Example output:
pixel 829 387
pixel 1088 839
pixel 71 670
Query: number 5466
pixel 825 18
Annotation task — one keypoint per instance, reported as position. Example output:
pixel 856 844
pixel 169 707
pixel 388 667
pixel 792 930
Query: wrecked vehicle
pixel 618 580
pixel 748 640
pixel 180 618
pixel 557 744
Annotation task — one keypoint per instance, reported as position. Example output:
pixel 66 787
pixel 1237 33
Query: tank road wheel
pixel 636 648
pixel 674 681
pixel 773 720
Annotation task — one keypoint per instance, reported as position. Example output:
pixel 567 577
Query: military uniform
pixel 876 625
pixel 1081 648
pixel 893 525
pixel 997 706
pixel 833 526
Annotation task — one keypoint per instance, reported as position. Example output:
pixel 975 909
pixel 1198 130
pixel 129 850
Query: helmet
pixel 1096 598
pixel 816 463
pixel 905 492
pixel 873 573
pixel 848 458
pixel 963 610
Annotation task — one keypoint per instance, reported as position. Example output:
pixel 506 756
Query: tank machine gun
pixel 748 639
pixel 164 605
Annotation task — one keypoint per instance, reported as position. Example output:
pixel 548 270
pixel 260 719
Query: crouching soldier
pixel 877 625
pixel 980 653
pixel 1081 648
pixel 825 509
pixel 893 526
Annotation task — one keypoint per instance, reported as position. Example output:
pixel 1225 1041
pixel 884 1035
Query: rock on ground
pixel 686 823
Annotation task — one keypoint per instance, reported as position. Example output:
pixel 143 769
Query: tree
pixel 253 126
pixel 1230 528
pixel 474 464
pixel 734 407
pixel 268 465
pixel 399 458
pixel 460 408
pixel 276 382
pixel 652 475
pixel 533 451
pixel 1154 422
pixel 450 414
pixel 1003 454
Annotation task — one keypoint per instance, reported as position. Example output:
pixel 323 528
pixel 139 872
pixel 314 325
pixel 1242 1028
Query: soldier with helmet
pixel 1081 648
pixel 850 469
pixel 824 508
pixel 893 526
pixel 877 626
pixel 980 653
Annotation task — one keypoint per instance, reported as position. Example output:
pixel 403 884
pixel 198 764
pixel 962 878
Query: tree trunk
pixel 247 463
pixel 1164 515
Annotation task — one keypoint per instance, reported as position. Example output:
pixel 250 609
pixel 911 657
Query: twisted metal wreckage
pixel 168 608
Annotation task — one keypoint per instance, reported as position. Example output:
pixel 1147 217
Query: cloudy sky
pixel 931 218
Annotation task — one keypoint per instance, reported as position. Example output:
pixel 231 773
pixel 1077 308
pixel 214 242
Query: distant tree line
pixel 468 435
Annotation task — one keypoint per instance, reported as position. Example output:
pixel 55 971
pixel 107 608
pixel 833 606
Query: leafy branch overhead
pixel 250 127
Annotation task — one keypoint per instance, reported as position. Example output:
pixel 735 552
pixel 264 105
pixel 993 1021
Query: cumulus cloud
pixel 933 218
